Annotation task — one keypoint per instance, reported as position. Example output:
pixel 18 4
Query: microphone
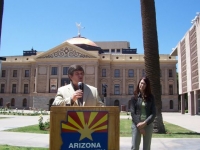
pixel 80 87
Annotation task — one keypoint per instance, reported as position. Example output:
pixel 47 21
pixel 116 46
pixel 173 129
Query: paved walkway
pixel 42 140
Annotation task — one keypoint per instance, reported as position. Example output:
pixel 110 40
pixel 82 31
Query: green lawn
pixel 173 131
pixel 8 147
pixel 3 117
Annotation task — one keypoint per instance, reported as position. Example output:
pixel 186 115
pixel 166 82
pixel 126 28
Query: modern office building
pixel 188 52
pixel 32 80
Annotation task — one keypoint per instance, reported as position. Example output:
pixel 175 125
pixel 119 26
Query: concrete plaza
pixel 42 140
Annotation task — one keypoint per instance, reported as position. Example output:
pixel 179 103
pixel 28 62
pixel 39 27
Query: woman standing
pixel 143 113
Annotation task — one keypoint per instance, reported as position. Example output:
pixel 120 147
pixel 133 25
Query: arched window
pixel 171 104
pixel 116 103
pixel 1 101
pixel 12 102
pixel 24 103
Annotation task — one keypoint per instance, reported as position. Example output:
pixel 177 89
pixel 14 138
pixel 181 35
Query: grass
pixel 8 147
pixel 3 117
pixel 29 129
pixel 173 131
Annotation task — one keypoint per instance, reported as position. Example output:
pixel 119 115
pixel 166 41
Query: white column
pixel 138 76
pixel 36 77
pixel 166 82
pixel 20 80
pixel 47 84
pixel 8 81
pixel 96 76
pixel 124 85
pixel 59 75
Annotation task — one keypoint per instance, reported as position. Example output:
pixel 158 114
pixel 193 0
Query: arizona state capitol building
pixel 32 80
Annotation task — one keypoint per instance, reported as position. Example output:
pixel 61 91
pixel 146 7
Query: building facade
pixel 188 52
pixel 32 80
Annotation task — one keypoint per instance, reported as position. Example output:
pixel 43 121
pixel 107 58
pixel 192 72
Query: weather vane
pixel 79 28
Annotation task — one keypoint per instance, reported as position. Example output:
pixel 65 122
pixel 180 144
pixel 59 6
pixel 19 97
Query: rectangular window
pixel 54 71
pixel 26 73
pixel 25 88
pixel 130 73
pixel 3 73
pixel 116 89
pixel 117 73
pixel 2 88
pixel 112 50
pixel 118 50
pixel 65 70
pixel 14 88
pixel 143 73
pixel 170 73
pixel 103 72
pixel 14 73
pixel 170 89
pixel 106 50
pixel 130 89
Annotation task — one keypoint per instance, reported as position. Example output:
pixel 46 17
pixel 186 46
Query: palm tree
pixel 1 16
pixel 151 57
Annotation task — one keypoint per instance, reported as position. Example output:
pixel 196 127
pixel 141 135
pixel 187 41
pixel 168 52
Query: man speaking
pixel 77 93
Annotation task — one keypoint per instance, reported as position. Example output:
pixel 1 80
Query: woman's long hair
pixel 147 90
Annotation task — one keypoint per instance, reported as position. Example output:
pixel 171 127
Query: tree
pixel 151 57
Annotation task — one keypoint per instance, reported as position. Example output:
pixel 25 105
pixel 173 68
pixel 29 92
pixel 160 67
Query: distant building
pixel 32 80
pixel 188 52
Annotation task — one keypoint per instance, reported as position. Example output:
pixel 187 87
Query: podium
pixel 94 127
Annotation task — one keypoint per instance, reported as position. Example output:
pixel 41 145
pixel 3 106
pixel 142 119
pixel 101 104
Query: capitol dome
pixel 84 43
pixel 81 40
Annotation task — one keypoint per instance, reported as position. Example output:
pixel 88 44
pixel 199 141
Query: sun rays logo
pixel 85 130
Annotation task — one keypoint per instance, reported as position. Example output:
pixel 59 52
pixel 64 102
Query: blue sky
pixel 44 24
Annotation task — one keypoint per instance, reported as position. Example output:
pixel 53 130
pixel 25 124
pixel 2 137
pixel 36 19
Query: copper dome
pixel 80 40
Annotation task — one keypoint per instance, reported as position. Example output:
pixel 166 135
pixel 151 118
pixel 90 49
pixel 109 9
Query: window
pixel 170 73
pixel 26 73
pixel 2 88
pixel 3 73
pixel 117 73
pixel 65 70
pixel 54 71
pixel 143 73
pixel 14 73
pixel 14 88
pixel 118 50
pixel 130 89
pixel 24 103
pixel 1 101
pixel 112 50
pixel 130 73
pixel 171 104
pixel 106 50
pixel 12 102
pixel 103 72
pixel 25 88
pixel 170 89
pixel 116 89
